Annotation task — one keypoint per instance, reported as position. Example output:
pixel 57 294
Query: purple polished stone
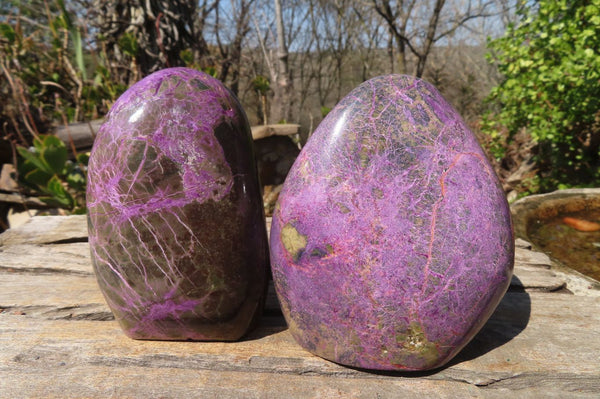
pixel 176 220
pixel 391 243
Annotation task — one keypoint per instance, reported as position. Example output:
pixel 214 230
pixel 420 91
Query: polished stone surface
pixel 176 223
pixel 391 243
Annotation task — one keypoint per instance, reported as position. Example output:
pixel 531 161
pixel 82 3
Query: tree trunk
pixel 160 29
pixel 430 38
pixel 280 110
pixel 390 50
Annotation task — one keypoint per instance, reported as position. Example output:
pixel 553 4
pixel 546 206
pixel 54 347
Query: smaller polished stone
pixel 176 222
pixel 391 242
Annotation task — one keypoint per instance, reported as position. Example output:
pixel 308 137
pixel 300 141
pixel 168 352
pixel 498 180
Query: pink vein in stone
pixel 400 212
pixel 155 154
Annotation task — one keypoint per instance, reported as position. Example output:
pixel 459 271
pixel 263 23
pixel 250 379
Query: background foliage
pixel 46 168
pixel 551 63
pixel 293 60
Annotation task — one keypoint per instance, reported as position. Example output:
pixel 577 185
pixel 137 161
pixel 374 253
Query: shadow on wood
pixel 510 318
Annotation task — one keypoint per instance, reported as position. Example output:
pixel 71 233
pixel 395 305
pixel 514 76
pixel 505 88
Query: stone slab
pixel 58 339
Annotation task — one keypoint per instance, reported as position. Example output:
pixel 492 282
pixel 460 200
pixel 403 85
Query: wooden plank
pixel 59 339
pixel 536 278
pixel 529 273
pixel 51 294
pixel 46 230
pixel 52 229
pixel 175 382
pixel 533 270
pixel 70 258
pixel 18 199
pixel 74 296
pixel 516 350
pixel 262 131
pixel 59 268
pixel 529 257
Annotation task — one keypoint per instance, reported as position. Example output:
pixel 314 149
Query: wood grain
pixel 59 339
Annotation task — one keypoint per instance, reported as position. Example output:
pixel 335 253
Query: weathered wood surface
pixel 262 131
pixel 80 134
pixel 59 339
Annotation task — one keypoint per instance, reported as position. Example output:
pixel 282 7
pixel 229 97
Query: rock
pixel 176 223
pixel 391 242
pixel 557 223
pixel 529 209
pixel 7 178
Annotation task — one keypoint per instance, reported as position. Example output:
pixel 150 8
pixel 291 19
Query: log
pixel 286 129
pixel 82 134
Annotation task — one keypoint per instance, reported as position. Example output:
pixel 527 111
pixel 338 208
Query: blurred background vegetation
pixel 525 75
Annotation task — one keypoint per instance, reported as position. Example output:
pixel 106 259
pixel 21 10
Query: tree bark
pixel 280 111
pixel 162 29
pixel 430 38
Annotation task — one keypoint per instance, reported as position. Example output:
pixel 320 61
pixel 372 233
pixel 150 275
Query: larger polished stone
pixel 176 223
pixel 391 243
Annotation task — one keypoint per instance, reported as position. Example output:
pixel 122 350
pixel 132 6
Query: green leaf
pixel 34 159
pixel 24 167
pixel 37 177
pixel 38 143
pixel 8 32
pixel 55 154
pixel 51 201
pixel 52 140
pixel 187 56
pixel 551 66
pixel 55 157
pixel 212 71
pixel 76 181
pixel 83 158
pixel 59 193
pixel 510 83
pixel 128 44
pixel 65 17
pixel 260 84
pixel 76 36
